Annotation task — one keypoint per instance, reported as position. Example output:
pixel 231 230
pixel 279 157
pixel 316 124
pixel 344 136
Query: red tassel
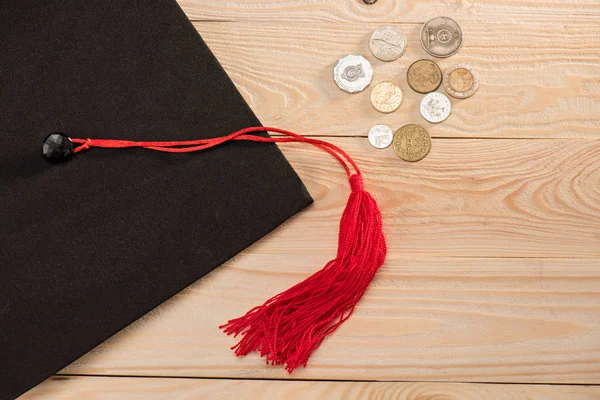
pixel 290 326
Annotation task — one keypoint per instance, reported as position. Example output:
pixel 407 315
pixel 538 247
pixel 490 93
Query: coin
pixel 411 143
pixel 353 73
pixel 441 37
pixel 387 43
pixel 435 107
pixel 380 136
pixel 386 97
pixel 424 76
pixel 461 81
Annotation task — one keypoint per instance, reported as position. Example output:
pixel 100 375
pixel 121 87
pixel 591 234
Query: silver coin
pixel 387 43
pixel 353 73
pixel 441 37
pixel 381 136
pixel 435 107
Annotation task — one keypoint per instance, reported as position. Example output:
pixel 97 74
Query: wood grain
pixel 355 11
pixel 467 198
pixel 505 319
pixel 532 85
pixel 102 388
pixel 475 198
pixel 467 320
pixel 432 313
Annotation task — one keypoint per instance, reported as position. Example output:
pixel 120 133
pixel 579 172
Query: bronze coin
pixel 411 143
pixel 424 76
pixel 461 81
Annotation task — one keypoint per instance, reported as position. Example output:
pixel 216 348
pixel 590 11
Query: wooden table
pixel 492 284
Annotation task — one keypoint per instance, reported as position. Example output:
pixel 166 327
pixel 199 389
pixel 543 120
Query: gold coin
pixel 386 97
pixel 461 81
pixel 411 143
pixel 424 76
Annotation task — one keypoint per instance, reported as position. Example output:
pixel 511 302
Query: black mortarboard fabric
pixel 92 244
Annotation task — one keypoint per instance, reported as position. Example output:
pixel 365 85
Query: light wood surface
pixel 492 283
pixel 439 319
pixel 539 12
pixel 110 388
pixel 537 81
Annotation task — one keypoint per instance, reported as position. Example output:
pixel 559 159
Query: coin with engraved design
pixel 435 107
pixel 461 81
pixel 411 143
pixel 353 73
pixel 424 76
pixel 387 43
pixel 386 97
pixel 441 37
pixel 380 136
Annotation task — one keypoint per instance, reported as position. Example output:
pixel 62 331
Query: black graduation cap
pixel 93 243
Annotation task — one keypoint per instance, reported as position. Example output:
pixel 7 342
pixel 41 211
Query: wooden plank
pixel 466 320
pixel 107 388
pixel 537 82
pixel 355 11
pixel 467 198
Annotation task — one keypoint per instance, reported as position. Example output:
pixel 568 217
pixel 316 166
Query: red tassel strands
pixel 290 326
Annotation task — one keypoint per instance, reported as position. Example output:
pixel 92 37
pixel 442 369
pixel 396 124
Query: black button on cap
pixel 57 147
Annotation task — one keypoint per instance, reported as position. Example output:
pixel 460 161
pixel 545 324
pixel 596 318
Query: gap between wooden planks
pixel 112 388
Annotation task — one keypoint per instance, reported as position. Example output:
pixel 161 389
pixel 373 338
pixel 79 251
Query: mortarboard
pixel 91 244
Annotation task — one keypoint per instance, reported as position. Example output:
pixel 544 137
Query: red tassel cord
pixel 290 326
